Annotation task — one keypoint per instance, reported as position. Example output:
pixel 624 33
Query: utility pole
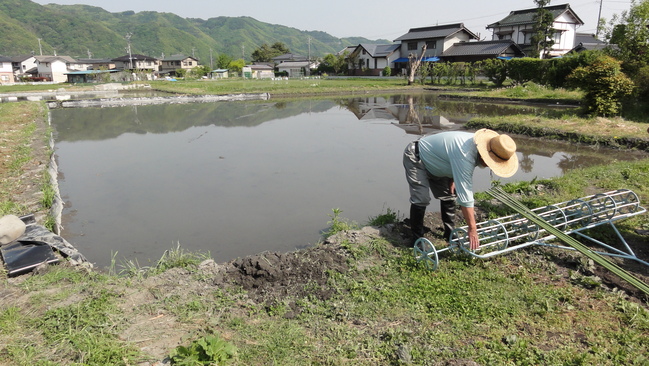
pixel 309 42
pixel 599 18
pixel 40 47
pixel 211 60
pixel 130 56
pixel 243 51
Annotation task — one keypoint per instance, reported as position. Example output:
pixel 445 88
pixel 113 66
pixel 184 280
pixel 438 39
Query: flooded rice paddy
pixel 239 178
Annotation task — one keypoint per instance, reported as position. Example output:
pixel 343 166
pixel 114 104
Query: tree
pixel 605 85
pixel 223 61
pixel 543 33
pixel 337 63
pixel 266 53
pixel 236 66
pixel 414 63
pixel 631 35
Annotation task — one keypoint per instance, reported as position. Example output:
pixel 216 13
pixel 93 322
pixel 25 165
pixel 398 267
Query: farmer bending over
pixel 444 163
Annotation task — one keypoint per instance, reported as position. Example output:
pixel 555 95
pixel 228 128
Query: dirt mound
pixel 269 277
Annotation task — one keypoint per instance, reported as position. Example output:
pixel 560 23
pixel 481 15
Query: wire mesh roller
pixel 543 226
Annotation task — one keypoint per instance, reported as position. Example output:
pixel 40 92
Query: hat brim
pixel 500 167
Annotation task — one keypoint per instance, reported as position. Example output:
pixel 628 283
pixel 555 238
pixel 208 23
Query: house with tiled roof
pixel 136 62
pixel 589 42
pixel 436 38
pixel 24 65
pixel 174 62
pixel 482 50
pixel 371 59
pixel 518 26
pixel 55 68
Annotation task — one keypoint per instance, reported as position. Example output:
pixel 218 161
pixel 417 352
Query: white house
pixel 6 70
pixel 371 59
pixel 436 38
pixel 297 68
pixel 55 68
pixel 24 65
pixel 518 26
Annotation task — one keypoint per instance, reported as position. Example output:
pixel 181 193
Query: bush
pixel 556 70
pixel 522 70
pixel 387 71
pixel 605 86
pixel 495 70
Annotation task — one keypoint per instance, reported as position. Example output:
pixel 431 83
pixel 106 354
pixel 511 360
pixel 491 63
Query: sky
pixel 372 19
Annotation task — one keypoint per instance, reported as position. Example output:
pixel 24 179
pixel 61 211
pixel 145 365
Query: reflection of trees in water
pixel 79 124
pixel 568 162
pixel 526 163
pixel 458 110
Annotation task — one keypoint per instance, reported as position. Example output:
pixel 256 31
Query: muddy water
pixel 238 178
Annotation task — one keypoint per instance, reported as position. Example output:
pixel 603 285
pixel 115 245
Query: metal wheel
pixel 522 225
pixel 459 239
pixel 554 216
pixel 495 232
pixel 425 251
pixel 578 213
pixel 603 206
pixel 628 202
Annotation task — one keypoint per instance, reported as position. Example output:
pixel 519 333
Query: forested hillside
pixel 81 31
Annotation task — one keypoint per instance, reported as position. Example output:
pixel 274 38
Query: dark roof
pixel 526 16
pixel 5 59
pixel 380 50
pixel 438 31
pixel 289 57
pixel 94 60
pixel 66 59
pixel 483 48
pixel 21 58
pixel 587 38
pixel 178 57
pixel 134 57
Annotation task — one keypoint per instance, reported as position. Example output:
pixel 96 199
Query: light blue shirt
pixel 454 155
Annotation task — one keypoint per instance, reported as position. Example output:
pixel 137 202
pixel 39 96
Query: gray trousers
pixel 421 183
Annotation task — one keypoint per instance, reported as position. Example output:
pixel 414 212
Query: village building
pixel 96 64
pixel 518 26
pixel 482 50
pixel 24 66
pixel 55 68
pixel 136 62
pixel 371 59
pixel 169 65
pixel 6 70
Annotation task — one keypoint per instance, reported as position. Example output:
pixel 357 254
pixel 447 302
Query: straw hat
pixel 497 151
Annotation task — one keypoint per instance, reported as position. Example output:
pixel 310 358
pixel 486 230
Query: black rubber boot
pixel 417 214
pixel 447 208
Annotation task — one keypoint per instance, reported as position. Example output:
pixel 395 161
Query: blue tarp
pixel 426 59
pixel 504 58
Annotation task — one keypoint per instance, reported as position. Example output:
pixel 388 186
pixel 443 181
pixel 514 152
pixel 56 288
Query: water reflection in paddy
pixel 238 178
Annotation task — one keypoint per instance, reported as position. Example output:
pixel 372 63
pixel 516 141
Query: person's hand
pixel 452 187
pixel 474 240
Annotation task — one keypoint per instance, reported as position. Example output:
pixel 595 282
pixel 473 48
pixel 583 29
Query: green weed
pixel 339 224
pixel 387 218
pixel 207 350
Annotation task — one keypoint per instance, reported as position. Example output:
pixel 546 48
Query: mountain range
pixel 83 31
